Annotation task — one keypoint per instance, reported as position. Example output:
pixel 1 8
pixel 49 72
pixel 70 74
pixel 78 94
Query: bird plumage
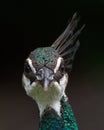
pixel 45 79
pixel 67 43
pixel 52 121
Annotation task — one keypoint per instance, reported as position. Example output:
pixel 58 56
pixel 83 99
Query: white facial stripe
pixel 58 64
pixel 30 63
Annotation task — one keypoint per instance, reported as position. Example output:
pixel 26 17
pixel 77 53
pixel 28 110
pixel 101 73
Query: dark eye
pixel 27 68
pixel 62 67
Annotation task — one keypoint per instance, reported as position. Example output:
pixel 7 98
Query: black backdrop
pixel 25 25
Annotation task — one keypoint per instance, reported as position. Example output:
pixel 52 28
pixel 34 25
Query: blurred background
pixel 26 25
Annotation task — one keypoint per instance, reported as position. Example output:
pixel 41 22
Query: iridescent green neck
pixel 68 116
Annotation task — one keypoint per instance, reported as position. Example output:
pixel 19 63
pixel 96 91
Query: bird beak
pixel 45 84
pixel 45 76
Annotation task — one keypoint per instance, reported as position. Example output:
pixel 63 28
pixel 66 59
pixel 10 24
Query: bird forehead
pixel 44 56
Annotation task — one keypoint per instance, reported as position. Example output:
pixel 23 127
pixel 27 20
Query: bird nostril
pixel 40 71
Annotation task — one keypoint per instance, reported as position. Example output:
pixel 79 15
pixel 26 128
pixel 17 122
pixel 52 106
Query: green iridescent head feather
pixel 44 56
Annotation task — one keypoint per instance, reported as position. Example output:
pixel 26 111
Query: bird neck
pixel 50 98
pixel 55 105
pixel 51 120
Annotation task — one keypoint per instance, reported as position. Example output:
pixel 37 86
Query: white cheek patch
pixel 63 83
pixel 30 63
pixel 64 80
pixel 58 64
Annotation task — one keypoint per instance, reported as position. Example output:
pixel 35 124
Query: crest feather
pixel 67 44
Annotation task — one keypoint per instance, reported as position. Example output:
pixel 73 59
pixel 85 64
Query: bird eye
pixel 62 67
pixel 27 68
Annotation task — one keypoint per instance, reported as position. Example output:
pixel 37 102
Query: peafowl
pixel 45 79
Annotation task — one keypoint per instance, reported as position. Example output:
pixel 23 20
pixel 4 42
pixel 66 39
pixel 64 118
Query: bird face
pixel 44 69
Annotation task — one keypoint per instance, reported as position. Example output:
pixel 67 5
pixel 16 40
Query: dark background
pixel 25 25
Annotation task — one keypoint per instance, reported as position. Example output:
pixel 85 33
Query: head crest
pixel 67 43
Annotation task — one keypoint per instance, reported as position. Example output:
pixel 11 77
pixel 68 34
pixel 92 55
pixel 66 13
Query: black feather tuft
pixel 67 44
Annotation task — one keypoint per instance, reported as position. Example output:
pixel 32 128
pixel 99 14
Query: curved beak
pixel 45 76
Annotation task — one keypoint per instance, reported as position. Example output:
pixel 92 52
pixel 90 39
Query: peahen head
pixel 45 77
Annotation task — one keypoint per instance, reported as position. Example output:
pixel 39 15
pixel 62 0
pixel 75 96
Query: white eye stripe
pixel 58 64
pixel 30 64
